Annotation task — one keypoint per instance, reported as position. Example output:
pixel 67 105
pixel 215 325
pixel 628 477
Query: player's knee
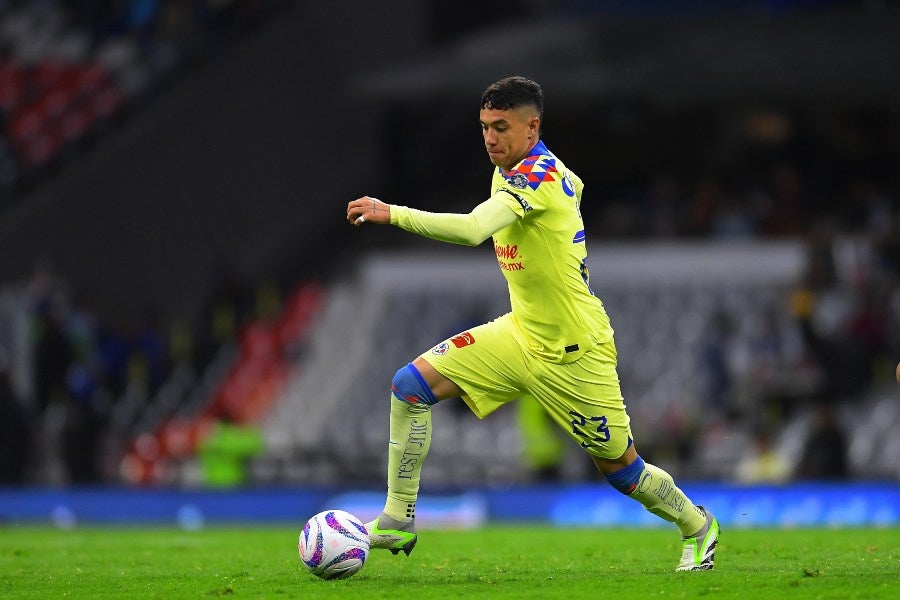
pixel 409 386
pixel 627 480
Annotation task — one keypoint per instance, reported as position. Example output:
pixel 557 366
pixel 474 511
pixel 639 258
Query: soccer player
pixel 556 345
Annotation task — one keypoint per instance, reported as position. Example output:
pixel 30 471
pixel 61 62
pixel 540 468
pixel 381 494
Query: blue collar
pixel 537 150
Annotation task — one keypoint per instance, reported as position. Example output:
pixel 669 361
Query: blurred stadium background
pixel 184 310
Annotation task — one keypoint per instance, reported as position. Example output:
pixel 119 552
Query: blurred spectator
pixel 84 426
pixel 821 267
pixel 81 327
pixel 53 355
pixel 662 206
pixel 703 206
pixel 15 430
pixel 150 350
pixel 715 367
pixel 886 250
pixel 267 301
pixel 868 331
pixel 732 220
pixel 825 450
pixel 544 447
pixel 866 210
pixel 226 452
pixel 779 369
pixel 763 463
pixel 113 354
pixel 822 309
pixel 230 303
pixel 790 213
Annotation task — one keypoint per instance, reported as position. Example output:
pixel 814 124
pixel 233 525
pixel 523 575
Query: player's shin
pixel 656 490
pixel 410 440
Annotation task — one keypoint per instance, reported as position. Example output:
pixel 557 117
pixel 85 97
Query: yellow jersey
pixel 543 255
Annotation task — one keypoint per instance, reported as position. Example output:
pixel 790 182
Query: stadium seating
pixel 70 70
pixel 710 350
pixel 238 386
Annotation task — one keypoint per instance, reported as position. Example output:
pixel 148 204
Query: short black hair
pixel 513 92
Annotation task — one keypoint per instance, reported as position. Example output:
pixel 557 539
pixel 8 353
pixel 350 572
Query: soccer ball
pixel 333 544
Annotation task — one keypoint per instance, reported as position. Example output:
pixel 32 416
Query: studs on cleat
pixel 407 547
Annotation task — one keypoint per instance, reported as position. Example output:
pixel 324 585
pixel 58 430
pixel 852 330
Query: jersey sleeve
pixel 470 229
pixel 516 200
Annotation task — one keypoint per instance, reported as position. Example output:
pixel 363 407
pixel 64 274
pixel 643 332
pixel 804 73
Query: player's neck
pixel 525 155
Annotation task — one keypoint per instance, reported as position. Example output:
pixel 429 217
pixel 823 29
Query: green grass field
pixel 495 562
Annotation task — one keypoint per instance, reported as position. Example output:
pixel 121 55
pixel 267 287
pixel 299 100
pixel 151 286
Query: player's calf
pixel 656 491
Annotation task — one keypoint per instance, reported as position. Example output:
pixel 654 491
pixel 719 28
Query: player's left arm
pixel 469 229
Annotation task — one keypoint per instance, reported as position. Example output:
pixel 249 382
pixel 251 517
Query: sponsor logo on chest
pixel 508 257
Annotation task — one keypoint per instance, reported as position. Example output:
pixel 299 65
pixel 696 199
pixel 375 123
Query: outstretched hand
pixel 368 209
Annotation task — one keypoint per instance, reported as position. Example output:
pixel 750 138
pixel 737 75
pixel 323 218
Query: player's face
pixel 509 134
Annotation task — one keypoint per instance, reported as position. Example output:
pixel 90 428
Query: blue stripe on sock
pixel 626 480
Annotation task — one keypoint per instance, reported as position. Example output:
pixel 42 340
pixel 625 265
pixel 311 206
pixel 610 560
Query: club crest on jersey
pixel 518 181
pixel 441 349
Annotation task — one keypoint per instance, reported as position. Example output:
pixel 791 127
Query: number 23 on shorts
pixel 590 430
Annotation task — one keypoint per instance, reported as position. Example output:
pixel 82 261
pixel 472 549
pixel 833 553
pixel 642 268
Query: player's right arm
pixel 469 229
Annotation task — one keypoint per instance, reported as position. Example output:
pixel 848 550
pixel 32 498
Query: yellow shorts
pixel 491 366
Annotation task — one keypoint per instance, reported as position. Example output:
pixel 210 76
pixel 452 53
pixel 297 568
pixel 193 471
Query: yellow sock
pixel 410 440
pixel 658 493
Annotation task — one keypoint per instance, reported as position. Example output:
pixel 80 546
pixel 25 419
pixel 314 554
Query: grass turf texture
pixel 495 562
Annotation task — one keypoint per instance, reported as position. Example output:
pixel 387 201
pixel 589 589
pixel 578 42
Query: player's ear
pixel 534 126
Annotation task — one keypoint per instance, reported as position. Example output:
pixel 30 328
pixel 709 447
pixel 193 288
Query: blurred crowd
pixel 69 376
pixel 72 69
pixel 90 381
